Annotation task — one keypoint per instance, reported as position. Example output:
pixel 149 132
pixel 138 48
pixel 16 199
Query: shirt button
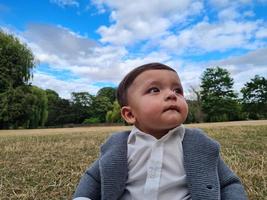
pixel 209 187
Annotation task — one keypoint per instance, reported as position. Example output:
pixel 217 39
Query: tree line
pixel 216 100
pixel 28 106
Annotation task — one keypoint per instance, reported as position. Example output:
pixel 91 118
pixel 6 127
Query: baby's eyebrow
pixel 179 85
pixel 153 82
pixel 149 83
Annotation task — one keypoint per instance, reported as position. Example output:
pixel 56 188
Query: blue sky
pixel 85 45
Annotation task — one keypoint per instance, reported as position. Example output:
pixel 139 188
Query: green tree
pixel 23 106
pixel 38 107
pixel 66 112
pixel 16 96
pixel 83 99
pixel 101 105
pixel 108 92
pixel 195 113
pixel 114 115
pixel 53 100
pixel 82 102
pixel 218 100
pixel 255 97
pixel 60 111
pixel 14 110
pixel 16 62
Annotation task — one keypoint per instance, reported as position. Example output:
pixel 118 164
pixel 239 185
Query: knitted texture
pixel 113 166
pixel 200 162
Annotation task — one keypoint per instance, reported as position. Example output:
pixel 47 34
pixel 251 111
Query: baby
pixel 159 159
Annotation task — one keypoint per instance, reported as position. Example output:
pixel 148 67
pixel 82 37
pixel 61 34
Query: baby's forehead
pixel 155 76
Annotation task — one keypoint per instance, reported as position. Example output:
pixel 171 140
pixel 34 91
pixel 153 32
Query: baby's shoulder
pixel 118 139
pixel 199 137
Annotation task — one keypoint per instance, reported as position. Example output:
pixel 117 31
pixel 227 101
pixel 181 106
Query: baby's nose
pixel 171 95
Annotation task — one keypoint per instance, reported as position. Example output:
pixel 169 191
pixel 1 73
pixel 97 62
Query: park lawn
pixel 48 163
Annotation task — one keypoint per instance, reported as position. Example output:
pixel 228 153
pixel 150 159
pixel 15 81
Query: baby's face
pixel 156 101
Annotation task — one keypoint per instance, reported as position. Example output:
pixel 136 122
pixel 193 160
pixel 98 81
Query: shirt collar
pixel 179 131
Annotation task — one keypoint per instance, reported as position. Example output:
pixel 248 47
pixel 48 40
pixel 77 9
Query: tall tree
pixel 23 106
pixel 16 62
pixel 66 112
pixel 195 113
pixel 38 107
pixel 114 115
pixel 14 109
pixel 255 97
pixel 101 105
pixel 16 96
pixel 52 104
pixel 219 102
pixel 82 102
pixel 83 99
pixel 108 92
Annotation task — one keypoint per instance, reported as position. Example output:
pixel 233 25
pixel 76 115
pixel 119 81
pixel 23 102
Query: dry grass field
pixel 48 163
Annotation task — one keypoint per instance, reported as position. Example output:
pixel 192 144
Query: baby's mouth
pixel 172 108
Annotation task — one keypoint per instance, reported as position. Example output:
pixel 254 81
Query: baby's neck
pixel 159 135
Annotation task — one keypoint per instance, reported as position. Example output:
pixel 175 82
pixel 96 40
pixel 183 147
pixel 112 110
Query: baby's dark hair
pixel 131 76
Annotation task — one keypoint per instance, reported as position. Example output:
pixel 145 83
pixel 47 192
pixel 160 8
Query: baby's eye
pixel 178 91
pixel 153 90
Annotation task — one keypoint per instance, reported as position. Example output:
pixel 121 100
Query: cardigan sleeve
pixel 231 186
pixel 89 185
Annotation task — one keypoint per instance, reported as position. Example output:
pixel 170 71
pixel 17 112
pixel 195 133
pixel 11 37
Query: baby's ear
pixel 127 114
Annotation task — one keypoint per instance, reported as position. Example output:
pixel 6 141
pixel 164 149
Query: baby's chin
pixel 173 122
pixel 170 126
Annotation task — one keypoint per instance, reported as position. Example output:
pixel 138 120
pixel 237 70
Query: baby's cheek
pixel 151 110
pixel 184 103
pixel 185 108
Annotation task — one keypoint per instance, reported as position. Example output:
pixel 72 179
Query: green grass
pixel 49 165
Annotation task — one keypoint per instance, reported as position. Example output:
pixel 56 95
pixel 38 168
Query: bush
pixel 92 120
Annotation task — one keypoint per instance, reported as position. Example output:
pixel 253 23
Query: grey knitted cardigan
pixel 208 177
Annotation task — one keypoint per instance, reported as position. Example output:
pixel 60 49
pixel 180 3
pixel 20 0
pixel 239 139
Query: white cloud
pixel 228 14
pixel 89 75
pixel 249 13
pixel 56 40
pixel 64 3
pixel 116 70
pixel 220 3
pixel 63 49
pixel 140 20
pixel 207 37
pixel 255 58
pixel 232 10
pixel 63 88
pixel 262 33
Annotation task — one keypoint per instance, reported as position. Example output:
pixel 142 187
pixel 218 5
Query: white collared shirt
pixel 155 167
